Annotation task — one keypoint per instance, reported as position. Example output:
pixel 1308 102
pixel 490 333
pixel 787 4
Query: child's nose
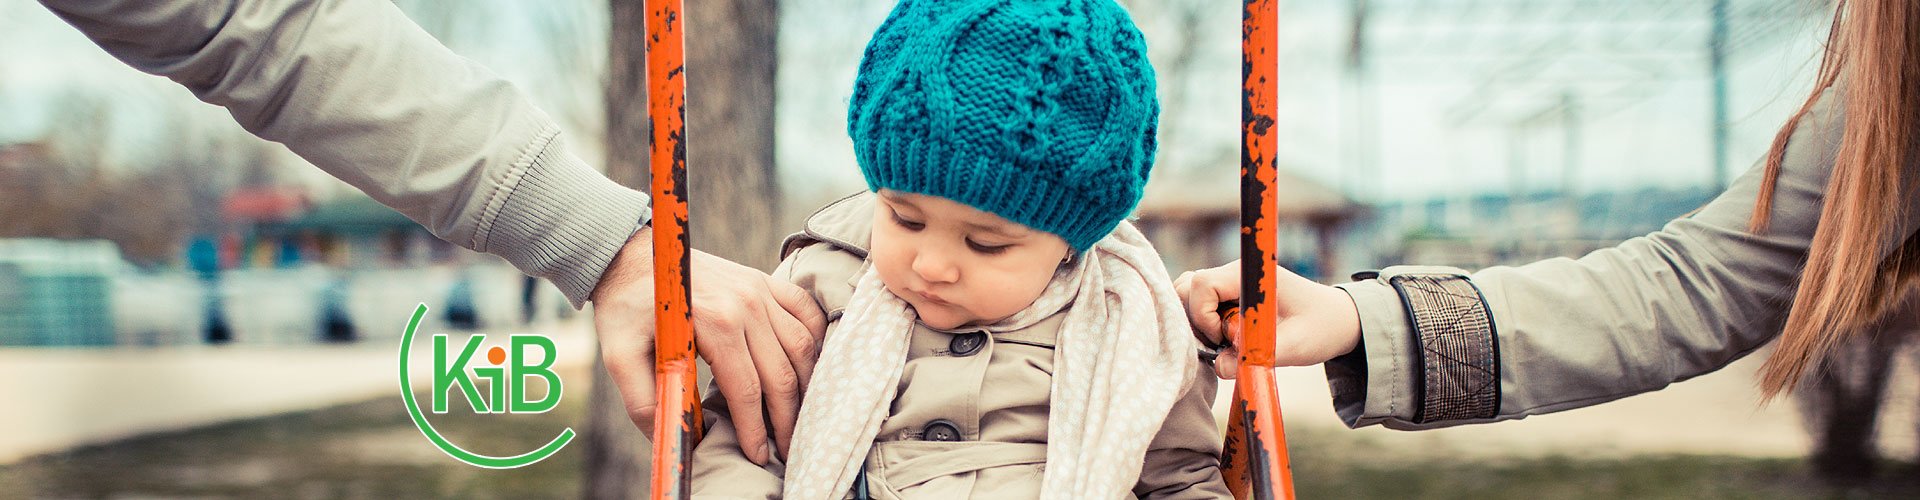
pixel 936 268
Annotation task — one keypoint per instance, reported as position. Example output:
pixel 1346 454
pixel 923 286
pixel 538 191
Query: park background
pixel 188 311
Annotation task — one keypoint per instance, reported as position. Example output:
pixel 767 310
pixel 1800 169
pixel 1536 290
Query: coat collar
pixel 846 224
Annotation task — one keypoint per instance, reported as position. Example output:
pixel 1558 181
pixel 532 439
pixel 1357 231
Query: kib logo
pixel 506 377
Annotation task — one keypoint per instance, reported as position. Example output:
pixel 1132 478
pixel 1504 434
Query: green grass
pixel 371 450
pixel 364 450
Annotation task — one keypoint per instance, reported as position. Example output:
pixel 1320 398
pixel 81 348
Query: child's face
pixel 957 264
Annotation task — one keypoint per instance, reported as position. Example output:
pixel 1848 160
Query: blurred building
pixel 278 228
pixel 1195 223
pixel 1474 232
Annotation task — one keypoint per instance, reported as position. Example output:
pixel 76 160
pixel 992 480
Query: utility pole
pixel 1717 64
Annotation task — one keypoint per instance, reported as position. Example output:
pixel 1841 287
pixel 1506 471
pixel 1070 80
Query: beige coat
pixel 1442 346
pixel 970 420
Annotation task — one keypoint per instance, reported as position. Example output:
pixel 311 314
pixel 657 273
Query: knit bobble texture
pixel 1040 111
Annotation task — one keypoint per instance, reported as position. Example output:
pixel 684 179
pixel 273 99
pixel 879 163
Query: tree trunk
pixel 731 58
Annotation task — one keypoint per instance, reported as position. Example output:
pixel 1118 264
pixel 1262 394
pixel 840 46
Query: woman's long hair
pixel 1845 285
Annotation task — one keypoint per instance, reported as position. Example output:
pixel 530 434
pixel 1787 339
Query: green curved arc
pixel 453 450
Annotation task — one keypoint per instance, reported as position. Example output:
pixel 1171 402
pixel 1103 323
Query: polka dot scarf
pixel 1125 353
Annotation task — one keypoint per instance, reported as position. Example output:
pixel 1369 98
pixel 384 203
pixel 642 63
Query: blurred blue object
pixel 336 323
pixel 203 256
pixel 461 311
pixel 289 254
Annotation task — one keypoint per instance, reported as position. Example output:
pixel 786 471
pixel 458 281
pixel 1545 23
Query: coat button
pixel 966 344
pixel 940 430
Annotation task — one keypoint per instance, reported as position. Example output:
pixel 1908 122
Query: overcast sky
pixel 1649 134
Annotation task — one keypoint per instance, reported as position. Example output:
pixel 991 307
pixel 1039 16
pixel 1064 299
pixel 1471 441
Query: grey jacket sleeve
pixel 1443 347
pixel 357 89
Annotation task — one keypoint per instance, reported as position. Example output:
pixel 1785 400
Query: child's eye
pixel 907 224
pixel 986 249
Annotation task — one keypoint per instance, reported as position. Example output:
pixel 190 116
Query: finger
pixel 1227 366
pixel 777 378
pixel 1202 310
pixel 800 304
pixel 1224 280
pixel 635 382
pixel 725 347
pixel 626 349
pixel 800 324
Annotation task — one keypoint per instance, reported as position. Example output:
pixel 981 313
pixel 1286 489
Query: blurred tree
pixel 1177 32
pixel 731 61
pixel 63 187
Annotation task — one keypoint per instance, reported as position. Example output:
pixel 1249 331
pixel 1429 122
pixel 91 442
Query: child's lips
pixel 935 299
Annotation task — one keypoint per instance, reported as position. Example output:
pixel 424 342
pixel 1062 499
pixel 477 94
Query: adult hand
pixel 1316 322
pixel 761 336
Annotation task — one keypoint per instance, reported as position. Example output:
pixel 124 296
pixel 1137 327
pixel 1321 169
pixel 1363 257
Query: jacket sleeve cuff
pixel 1372 385
pixel 556 218
pixel 1428 356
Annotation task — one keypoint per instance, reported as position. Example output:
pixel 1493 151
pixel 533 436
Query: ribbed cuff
pixel 554 217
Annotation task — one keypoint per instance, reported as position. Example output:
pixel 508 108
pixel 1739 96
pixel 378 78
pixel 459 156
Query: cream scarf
pixel 1125 354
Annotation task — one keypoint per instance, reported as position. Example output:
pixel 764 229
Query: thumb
pixel 629 365
pixel 625 331
pixel 1227 366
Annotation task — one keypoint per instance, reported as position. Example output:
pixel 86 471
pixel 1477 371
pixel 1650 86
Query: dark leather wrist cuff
pixel 1459 353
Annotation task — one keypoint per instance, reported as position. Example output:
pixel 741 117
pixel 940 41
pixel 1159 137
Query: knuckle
pixel 749 397
pixel 786 386
pixel 809 348
pixel 752 305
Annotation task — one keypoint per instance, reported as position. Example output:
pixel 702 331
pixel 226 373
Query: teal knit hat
pixel 1039 111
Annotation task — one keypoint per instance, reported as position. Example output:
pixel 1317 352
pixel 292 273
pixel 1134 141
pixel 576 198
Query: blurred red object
pixel 264 204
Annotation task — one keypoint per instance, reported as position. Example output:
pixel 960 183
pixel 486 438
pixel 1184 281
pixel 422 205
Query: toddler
pixel 996 329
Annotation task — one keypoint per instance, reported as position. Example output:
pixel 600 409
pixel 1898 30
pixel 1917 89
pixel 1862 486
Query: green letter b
pixel 544 370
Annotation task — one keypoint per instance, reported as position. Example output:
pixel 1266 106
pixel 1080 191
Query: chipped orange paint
pixel 1268 467
pixel 1255 456
pixel 674 433
pixel 1233 452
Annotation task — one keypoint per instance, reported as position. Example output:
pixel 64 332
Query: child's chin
pixel 940 320
pixel 942 324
